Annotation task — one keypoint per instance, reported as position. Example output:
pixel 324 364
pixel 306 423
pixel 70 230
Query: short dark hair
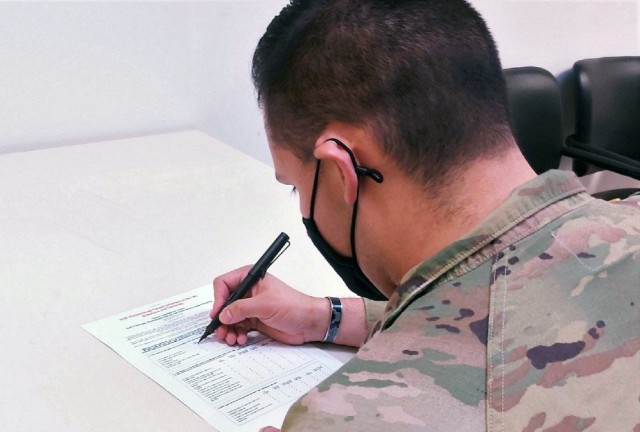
pixel 423 75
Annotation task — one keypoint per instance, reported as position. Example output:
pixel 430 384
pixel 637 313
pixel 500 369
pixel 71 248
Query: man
pixel 512 299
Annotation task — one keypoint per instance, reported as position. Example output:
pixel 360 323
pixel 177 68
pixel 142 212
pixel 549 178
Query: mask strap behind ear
pixel 370 172
pixel 360 170
pixel 315 188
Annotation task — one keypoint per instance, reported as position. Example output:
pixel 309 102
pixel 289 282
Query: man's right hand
pixel 272 308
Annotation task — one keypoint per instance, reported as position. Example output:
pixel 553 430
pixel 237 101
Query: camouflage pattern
pixel 531 323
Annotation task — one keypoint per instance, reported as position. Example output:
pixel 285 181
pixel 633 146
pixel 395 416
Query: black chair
pixel 607 132
pixel 535 108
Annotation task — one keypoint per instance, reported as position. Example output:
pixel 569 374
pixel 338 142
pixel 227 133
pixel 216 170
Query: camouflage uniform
pixel 531 323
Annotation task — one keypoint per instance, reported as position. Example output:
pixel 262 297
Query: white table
pixel 91 230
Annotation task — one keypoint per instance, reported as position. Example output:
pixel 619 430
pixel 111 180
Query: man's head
pixel 423 76
pixel 410 88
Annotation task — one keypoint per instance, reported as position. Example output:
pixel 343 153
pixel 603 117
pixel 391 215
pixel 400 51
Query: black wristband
pixel 336 317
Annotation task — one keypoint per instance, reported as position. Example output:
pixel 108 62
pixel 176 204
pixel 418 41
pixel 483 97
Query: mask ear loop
pixel 360 171
pixel 313 192
pixel 369 172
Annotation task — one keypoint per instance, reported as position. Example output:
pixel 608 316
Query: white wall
pixel 79 72
pixel 224 37
pixel 74 72
pixel 553 34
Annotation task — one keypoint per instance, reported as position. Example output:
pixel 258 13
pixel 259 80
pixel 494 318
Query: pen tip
pixel 203 336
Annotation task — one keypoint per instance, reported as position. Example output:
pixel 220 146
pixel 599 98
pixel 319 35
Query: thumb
pixel 243 309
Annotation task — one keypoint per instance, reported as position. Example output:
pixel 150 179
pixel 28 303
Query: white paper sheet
pixel 241 388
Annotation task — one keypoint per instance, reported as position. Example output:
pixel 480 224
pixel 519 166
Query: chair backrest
pixel 607 106
pixel 535 108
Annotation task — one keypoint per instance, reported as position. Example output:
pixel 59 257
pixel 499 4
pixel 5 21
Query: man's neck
pixel 421 226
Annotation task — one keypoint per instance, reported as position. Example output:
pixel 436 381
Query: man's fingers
pixel 224 284
pixel 221 333
pixel 230 339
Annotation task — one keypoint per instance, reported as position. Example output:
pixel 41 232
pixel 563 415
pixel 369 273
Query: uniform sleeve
pixel 373 311
pixel 405 378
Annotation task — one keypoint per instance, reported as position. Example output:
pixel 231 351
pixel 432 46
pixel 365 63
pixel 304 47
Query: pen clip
pixel 264 270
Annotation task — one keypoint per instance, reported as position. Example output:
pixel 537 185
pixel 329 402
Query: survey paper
pixel 240 388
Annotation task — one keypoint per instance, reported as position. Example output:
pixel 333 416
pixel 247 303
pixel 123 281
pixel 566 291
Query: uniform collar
pixel 528 208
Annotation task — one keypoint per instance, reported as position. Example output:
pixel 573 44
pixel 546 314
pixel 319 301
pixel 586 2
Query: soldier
pixel 511 301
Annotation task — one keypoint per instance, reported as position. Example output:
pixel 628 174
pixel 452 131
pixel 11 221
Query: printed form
pixel 240 388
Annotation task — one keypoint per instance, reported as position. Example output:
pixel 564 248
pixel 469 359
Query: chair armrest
pixel 602 158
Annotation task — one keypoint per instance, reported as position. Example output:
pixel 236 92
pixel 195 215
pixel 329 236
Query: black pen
pixel 256 273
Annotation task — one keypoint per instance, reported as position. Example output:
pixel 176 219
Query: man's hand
pixel 272 307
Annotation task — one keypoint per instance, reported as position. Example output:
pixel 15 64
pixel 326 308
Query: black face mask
pixel 346 267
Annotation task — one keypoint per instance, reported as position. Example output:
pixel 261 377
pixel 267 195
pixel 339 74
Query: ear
pixel 330 151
